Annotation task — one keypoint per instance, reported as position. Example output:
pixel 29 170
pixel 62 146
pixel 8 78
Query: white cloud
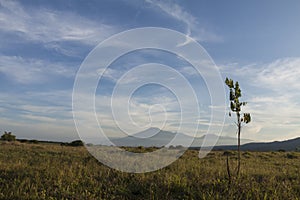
pixel 43 130
pixel 272 91
pixel 138 115
pixel 111 74
pixel 193 28
pixel 189 71
pixel 39 118
pixel 38 115
pixel 282 75
pixel 44 103
pixel 49 26
pixel 175 11
pixel 24 70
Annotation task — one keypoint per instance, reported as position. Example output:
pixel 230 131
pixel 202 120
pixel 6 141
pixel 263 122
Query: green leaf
pixel 247 118
pixel 229 82
pixel 231 95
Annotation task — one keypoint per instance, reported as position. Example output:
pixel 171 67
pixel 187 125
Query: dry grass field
pixel 50 171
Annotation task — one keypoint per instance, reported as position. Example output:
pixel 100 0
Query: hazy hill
pixel 287 145
pixel 158 138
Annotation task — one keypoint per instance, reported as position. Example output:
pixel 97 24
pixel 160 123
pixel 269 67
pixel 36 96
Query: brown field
pixel 51 171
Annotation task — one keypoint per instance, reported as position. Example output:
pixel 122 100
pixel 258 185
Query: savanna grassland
pixel 50 171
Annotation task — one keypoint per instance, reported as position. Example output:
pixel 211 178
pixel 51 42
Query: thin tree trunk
pixel 239 152
pixel 228 169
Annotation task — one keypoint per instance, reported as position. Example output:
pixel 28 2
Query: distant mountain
pixel 147 138
pixel 158 138
pixel 147 133
pixel 287 145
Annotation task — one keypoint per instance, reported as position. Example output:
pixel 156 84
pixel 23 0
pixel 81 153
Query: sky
pixel 44 43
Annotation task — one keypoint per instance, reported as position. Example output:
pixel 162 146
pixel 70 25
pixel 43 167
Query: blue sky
pixel 43 43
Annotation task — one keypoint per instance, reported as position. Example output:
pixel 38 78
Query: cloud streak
pixel 28 70
pixel 46 25
pixel 193 28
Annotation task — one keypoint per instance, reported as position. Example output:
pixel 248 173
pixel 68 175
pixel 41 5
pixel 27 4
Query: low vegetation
pixel 75 143
pixel 52 171
pixel 8 136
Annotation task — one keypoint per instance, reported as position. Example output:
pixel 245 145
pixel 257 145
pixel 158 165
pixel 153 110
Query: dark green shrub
pixel 228 153
pixel 291 156
pixel 8 136
pixel 76 143
pixel 22 140
pixel 33 141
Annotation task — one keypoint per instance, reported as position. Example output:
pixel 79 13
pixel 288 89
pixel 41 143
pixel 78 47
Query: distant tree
pixel 76 143
pixel 8 136
pixel 236 107
pixel 34 141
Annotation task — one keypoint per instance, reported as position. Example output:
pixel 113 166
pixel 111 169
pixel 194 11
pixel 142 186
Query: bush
pixel 76 143
pixel 291 156
pixel 228 153
pixel 23 140
pixel 8 136
pixel 33 141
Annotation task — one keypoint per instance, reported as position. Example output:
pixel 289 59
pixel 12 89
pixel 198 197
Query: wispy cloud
pixel 43 115
pixel 174 10
pixel 272 92
pixel 56 103
pixel 139 114
pixel 43 130
pixel 193 28
pixel 283 75
pixel 26 71
pixel 46 25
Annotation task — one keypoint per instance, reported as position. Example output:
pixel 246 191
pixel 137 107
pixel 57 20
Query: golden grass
pixel 50 171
